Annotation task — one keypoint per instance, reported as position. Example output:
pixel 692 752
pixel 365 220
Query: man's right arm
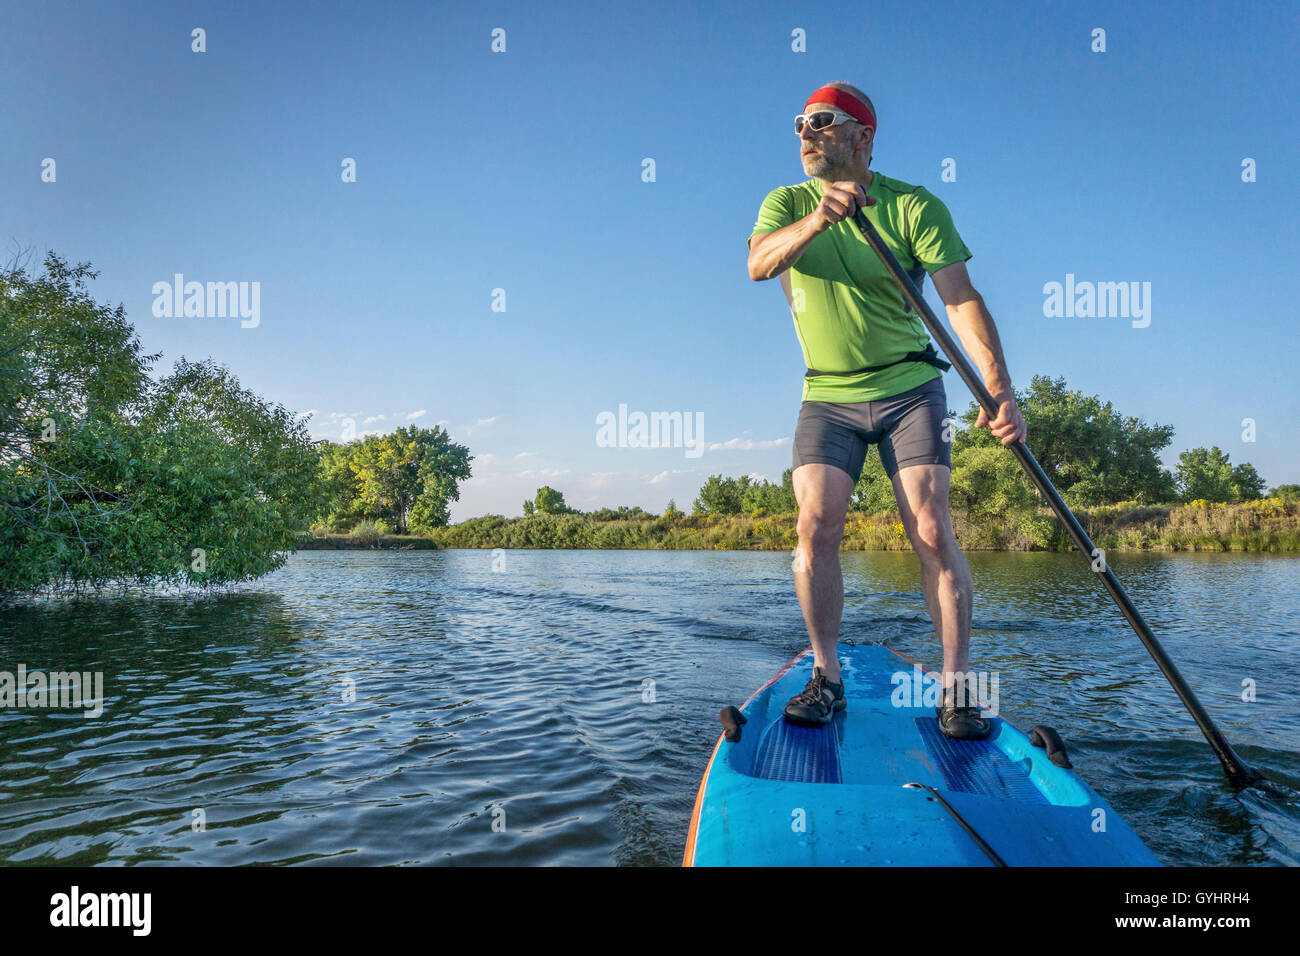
pixel 771 253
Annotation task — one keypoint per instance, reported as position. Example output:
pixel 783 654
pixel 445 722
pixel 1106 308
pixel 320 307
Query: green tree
pixel 767 497
pixel 988 483
pixel 874 491
pixel 239 476
pixel 343 509
pixel 443 465
pixel 409 477
pixel 1285 492
pixel 621 513
pixel 1248 483
pixel 550 502
pixel 1209 475
pixel 72 374
pixel 721 496
pixel 385 470
pixel 1090 452
pixel 106 475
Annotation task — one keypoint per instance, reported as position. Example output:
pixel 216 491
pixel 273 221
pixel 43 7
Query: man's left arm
pixel 979 336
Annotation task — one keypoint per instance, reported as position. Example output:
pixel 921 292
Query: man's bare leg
pixel 922 494
pixel 823 492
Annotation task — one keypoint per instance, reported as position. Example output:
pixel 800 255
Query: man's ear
pixel 866 139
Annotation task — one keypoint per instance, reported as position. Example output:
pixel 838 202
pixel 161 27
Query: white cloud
pixel 748 444
pixel 543 472
pixel 665 475
pixel 374 418
pixel 308 413
pixel 526 454
pixel 414 415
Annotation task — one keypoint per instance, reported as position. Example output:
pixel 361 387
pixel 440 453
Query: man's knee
pixel 933 539
pixel 820 528
pixel 823 493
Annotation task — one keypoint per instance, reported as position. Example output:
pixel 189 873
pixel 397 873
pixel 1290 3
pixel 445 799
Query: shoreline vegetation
pixel 1261 525
pixel 116 473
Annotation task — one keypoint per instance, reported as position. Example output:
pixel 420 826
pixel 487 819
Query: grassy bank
pixel 1269 524
pixel 322 541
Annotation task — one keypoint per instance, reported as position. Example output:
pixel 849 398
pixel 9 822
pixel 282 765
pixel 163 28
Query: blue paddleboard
pixel 882 786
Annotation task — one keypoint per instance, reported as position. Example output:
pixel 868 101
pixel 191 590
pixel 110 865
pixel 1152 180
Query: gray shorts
pixel 908 427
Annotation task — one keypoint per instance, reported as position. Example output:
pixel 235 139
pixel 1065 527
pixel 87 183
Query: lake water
pixel 372 707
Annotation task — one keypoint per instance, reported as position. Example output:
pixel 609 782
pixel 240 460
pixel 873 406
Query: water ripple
pixel 366 708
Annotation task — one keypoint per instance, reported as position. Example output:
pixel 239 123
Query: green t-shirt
pixel 853 314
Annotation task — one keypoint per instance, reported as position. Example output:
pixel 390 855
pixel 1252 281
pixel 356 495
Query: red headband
pixel 845 101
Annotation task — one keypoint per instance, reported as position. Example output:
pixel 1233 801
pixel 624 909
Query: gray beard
pixel 823 167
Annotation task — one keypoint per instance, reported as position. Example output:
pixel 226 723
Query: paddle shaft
pixel 1238 773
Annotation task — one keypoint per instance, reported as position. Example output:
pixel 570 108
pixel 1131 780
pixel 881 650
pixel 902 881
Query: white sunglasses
pixel 821 119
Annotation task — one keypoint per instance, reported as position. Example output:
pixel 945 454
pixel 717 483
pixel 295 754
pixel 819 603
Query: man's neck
pixel 864 180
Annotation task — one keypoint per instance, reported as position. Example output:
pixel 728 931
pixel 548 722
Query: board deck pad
pixel 977 766
pixel 798 754
pixel 786 795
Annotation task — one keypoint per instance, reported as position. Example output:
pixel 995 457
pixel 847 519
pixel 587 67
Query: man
pixel 873 378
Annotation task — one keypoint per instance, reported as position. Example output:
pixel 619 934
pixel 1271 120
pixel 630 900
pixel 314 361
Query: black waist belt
pixel 929 357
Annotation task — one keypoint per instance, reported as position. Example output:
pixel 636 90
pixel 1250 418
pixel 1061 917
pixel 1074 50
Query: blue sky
pixel 522 171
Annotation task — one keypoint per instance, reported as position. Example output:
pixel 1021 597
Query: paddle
pixel 1239 774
